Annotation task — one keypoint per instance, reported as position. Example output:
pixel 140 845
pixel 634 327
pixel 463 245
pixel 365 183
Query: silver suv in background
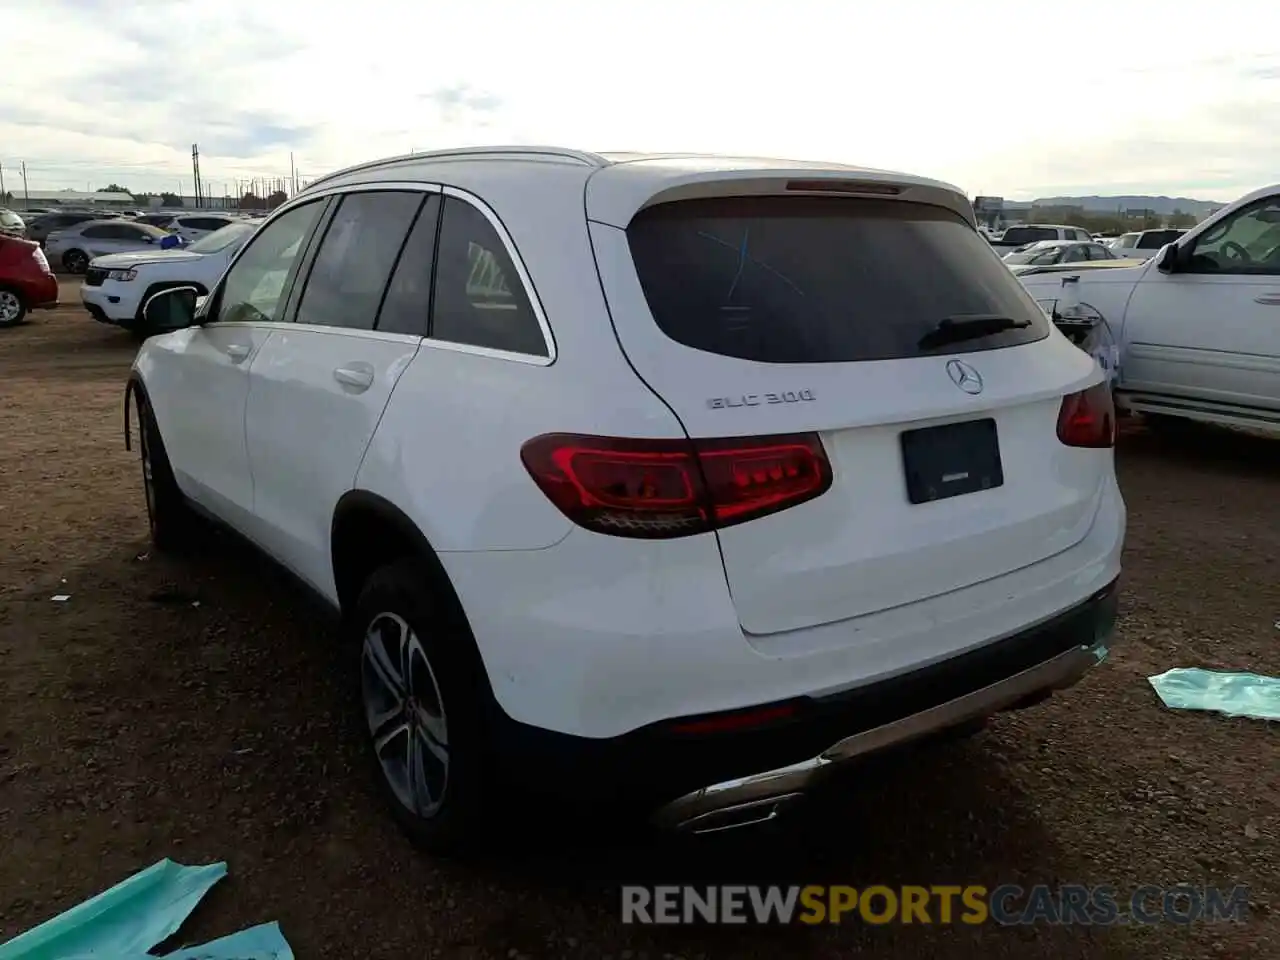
pixel 73 248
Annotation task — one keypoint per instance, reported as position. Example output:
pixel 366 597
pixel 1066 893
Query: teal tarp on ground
pixel 1233 694
pixel 126 921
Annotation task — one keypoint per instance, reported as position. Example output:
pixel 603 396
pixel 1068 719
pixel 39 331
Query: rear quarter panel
pixel 448 448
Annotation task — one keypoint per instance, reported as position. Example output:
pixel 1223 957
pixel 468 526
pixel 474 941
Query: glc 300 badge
pixel 760 399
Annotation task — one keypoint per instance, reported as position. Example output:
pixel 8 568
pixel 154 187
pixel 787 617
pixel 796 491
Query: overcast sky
pixel 1000 98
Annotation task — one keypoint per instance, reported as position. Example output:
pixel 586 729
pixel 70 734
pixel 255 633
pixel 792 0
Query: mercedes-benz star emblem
pixel 964 376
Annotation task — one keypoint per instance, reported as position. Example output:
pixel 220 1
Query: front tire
pixel 172 523
pixel 76 261
pixel 421 697
pixel 13 309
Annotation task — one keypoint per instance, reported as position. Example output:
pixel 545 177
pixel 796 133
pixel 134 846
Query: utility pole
pixel 3 194
pixel 293 173
pixel 26 194
pixel 195 171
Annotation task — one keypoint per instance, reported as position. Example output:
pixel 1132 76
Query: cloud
pixel 1182 104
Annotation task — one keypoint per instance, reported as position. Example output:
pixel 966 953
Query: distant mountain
pixel 1160 206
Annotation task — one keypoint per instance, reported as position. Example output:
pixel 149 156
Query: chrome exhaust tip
pixel 749 814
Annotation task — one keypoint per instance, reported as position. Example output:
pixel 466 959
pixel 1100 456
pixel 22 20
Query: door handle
pixel 1268 299
pixel 358 376
pixel 237 351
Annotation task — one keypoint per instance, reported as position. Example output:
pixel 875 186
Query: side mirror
pixel 172 309
pixel 1167 258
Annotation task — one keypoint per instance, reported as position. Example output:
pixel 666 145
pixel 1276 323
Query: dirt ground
pixel 196 711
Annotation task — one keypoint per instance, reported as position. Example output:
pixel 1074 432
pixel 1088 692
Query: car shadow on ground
pixel 235 663
pixel 105 339
pixel 1203 446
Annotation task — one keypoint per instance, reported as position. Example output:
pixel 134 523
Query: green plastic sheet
pixel 1232 694
pixel 126 921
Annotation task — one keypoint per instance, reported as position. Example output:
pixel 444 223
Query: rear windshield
pixel 1028 234
pixel 823 280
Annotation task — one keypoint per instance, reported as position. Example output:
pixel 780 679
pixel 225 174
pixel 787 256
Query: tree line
pixel 1118 222
pixel 250 200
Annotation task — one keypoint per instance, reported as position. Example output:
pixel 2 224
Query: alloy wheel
pixel 10 306
pixel 405 714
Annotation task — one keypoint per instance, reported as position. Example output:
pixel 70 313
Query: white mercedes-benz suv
pixel 666 481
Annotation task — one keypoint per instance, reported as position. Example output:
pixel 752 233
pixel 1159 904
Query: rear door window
pixel 479 297
pixel 825 280
pixel 359 249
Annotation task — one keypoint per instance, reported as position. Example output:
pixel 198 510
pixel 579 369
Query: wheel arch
pixel 135 395
pixel 369 531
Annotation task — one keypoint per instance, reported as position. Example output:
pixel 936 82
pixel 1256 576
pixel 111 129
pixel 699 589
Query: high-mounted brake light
pixel 673 488
pixel 1088 418
pixel 859 187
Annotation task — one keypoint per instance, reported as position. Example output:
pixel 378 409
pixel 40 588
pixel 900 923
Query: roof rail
pixel 578 156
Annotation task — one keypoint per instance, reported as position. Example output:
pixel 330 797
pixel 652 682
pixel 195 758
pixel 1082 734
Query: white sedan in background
pixel 115 287
pixel 1052 253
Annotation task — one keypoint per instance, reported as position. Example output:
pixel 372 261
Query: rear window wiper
pixel 969 326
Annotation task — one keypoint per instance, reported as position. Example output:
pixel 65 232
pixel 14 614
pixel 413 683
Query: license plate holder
pixel 951 460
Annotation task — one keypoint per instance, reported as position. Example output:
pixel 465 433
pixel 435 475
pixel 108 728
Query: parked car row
pixel 1198 324
pixel 1049 255
pixel 116 285
pixel 1141 244
pixel 189 226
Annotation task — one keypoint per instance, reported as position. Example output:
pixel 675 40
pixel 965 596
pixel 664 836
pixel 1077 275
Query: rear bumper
pixel 702 782
pixel 758 797
pixel 40 293
pixel 597 637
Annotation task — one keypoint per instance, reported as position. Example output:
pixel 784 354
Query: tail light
pixel 673 488
pixel 41 260
pixel 1088 418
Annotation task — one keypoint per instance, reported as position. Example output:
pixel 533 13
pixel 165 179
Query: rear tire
pixel 174 526
pixel 422 696
pixel 13 309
